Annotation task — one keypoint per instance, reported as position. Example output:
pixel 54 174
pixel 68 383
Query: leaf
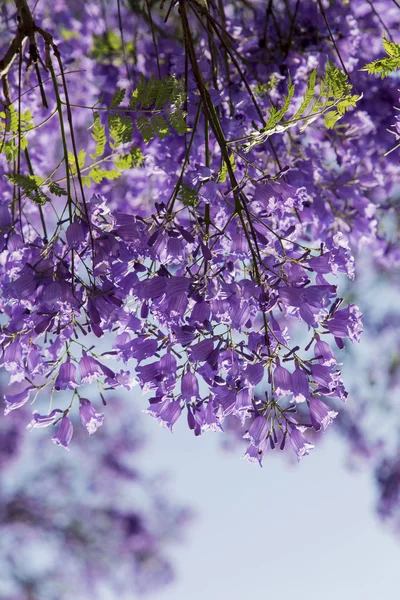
pixel 121 129
pixel 188 196
pixel 72 160
pixel 309 94
pixel 99 136
pixel 57 190
pixel 146 129
pixel 97 174
pixel 391 48
pixel 160 126
pixel 222 175
pixel 138 93
pixel 137 156
pixel 177 119
pixel 29 184
pixel 117 98
pixel 335 82
pixel 277 115
pixel 150 94
pixel 331 118
pixel 123 161
pixel 387 65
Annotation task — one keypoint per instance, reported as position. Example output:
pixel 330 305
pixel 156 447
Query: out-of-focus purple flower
pixel 64 433
pixel 90 419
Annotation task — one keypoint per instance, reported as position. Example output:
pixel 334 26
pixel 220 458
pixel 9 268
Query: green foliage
pixel 97 174
pixel 222 175
pixel 275 115
pixel 188 196
pixel 13 130
pixel 156 96
pixel 57 190
pixel 72 161
pixel 30 186
pixel 121 129
pixel 108 47
pixel 387 65
pixel 117 98
pixel 99 136
pixel 263 89
pixel 331 98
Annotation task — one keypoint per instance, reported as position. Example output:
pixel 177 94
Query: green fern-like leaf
pixel 30 186
pixel 139 93
pixel 137 156
pixel 99 136
pixel 188 196
pixel 222 175
pixel 121 129
pixel 335 82
pixel 308 96
pixel 146 130
pixel 391 48
pixel 275 115
pixel 97 174
pixel 117 98
pixel 387 65
pixel 153 85
pixel 57 190
pixel 177 120
pixel 160 126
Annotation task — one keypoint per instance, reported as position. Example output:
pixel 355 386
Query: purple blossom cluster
pixel 210 271
pixel 64 519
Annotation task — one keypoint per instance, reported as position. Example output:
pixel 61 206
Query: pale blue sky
pixel 307 532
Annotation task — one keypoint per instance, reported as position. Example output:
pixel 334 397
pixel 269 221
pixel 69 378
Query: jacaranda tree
pixel 194 195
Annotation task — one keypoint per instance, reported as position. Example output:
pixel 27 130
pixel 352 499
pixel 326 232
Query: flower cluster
pixel 209 268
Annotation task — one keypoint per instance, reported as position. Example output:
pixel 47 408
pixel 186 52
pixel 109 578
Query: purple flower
pixel 18 398
pixel 76 234
pixel 254 453
pixel 325 354
pixel 321 415
pixel 89 417
pixel 299 443
pixel 43 420
pixel 201 351
pixel 66 378
pixel 89 369
pixel 258 431
pixel 64 433
pixel 346 323
pixel 189 387
pixel 206 417
pixel 12 358
pixel 166 412
pixel 282 381
pixel 301 386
